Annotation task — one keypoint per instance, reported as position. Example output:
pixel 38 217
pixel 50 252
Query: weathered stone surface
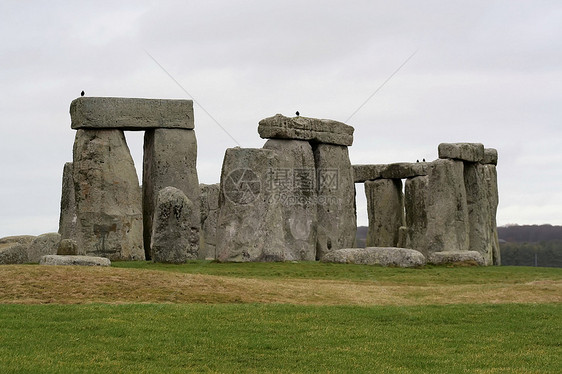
pixel 74 260
pixel 20 239
pixel 471 152
pixel 293 184
pixel 108 198
pixel 130 113
pixel 304 128
pixel 399 170
pixel 415 201
pixel 209 200
pixel 175 238
pixel 13 253
pixel 451 257
pixel 68 247
pixel 249 226
pixel 385 209
pixel 46 244
pixel 68 220
pixel 491 178
pixel 170 158
pixel 390 256
pixel 490 156
pixel 337 221
pixel 403 237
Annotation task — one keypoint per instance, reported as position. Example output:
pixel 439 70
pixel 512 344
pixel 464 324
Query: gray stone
pixel 399 170
pixel 304 128
pixel 490 156
pixel 390 256
pixel 46 244
pixel 471 152
pixel 13 253
pixel 337 221
pixel 451 257
pixel 491 178
pixel 108 198
pixel 68 220
pixel 175 237
pixel 209 204
pixel 74 260
pixel 385 209
pixel 20 239
pixel 130 113
pixel 170 158
pixel 363 173
pixel 293 184
pixel 68 247
pixel 403 237
pixel 249 226
pixel 415 201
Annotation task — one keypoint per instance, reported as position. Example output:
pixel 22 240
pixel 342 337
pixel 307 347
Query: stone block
pixel 490 156
pixel 471 152
pixel 74 260
pixel 451 257
pixel 399 170
pixel 46 244
pixel 249 226
pixel 337 220
pixel 363 173
pixel 385 209
pixel 415 201
pixel 209 205
pixel 130 113
pixel 304 128
pixel 20 239
pixel 170 160
pixel 68 247
pixel 293 184
pixel 389 256
pixel 13 253
pixel 68 220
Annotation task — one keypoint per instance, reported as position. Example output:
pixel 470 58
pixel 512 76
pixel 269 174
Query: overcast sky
pixel 485 71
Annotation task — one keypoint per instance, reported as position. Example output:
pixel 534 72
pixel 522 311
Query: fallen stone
pixel 385 209
pixel 68 247
pixel 46 244
pixel 304 128
pixel 399 170
pixel 337 221
pixel 130 113
pixel 174 238
pixel 68 221
pixel 249 225
pixel 170 160
pixel 108 197
pixel 490 156
pixel 451 257
pixel 13 253
pixel 390 256
pixel 293 184
pixel 209 204
pixel 471 152
pixel 74 260
pixel 20 239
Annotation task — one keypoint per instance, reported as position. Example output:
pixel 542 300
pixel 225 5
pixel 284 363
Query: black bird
pixel 297 113
pixel 424 160
pixel 82 93
pixel 417 160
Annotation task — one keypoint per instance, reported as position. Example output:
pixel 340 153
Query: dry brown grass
pixel 80 285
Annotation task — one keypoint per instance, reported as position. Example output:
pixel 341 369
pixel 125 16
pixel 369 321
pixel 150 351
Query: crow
pixel 297 113
pixel 82 93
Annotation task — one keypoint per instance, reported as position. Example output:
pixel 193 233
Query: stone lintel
pixel 130 113
pixel 399 170
pixel 490 156
pixel 470 152
pixel 304 128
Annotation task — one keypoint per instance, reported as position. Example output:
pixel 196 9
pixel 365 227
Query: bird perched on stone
pixel 297 113
pixel 82 93
pixel 417 160
pixel 424 160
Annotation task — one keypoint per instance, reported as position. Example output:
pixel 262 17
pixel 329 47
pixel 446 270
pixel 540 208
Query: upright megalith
pixel 491 179
pixel 337 221
pixel 68 220
pixel 175 237
pixel 293 185
pixel 107 196
pixel 250 220
pixel 415 203
pixel 209 205
pixel 385 209
pixel 170 157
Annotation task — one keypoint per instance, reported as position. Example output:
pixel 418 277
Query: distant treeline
pixel 525 245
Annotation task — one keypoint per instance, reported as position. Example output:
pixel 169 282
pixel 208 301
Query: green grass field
pixel 481 335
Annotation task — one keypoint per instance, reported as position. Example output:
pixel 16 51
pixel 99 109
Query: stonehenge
pixel 291 200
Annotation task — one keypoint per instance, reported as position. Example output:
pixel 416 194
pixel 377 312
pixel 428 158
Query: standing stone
pixel 491 178
pixel 447 213
pixel 107 193
pixel 385 209
pixel 170 157
pixel 209 200
pixel 293 184
pixel 416 192
pixel 249 226
pixel 337 221
pixel 46 244
pixel 175 237
pixel 68 220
